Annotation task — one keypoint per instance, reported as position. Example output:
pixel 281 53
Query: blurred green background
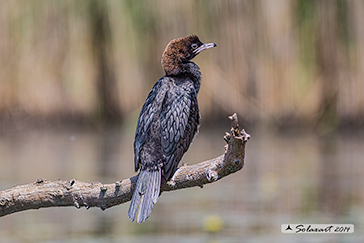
pixel 74 75
pixel 278 62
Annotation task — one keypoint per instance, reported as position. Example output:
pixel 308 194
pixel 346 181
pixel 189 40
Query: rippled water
pixel 288 178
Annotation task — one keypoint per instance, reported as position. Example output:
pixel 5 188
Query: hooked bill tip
pixel 204 46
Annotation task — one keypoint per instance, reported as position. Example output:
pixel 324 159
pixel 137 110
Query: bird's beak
pixel 203 47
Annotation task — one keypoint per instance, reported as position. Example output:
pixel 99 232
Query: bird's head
pixel 182 50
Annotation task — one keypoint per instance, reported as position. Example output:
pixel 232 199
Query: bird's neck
pixel 186 70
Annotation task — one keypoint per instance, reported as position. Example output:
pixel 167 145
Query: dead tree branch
pixel 43 193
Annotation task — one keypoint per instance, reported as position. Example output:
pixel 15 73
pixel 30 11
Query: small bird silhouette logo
pixel 289 228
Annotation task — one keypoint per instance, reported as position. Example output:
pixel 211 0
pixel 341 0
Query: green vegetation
pixel 280 62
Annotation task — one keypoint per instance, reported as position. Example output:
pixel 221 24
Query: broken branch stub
pixel 214 169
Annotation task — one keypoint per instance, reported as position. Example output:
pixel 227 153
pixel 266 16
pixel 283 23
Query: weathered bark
pixel 43 193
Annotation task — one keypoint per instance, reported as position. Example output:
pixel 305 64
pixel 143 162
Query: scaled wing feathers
pixel 179 123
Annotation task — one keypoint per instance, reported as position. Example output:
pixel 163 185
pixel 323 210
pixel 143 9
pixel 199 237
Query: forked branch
pixel 44 194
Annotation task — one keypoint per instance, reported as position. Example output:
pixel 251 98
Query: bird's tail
pixel 145 195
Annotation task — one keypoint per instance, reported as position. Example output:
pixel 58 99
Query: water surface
pixel 288 178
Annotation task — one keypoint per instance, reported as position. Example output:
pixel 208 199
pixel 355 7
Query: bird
pixel 167 124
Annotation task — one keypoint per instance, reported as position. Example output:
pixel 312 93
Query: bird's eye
pixel 194 46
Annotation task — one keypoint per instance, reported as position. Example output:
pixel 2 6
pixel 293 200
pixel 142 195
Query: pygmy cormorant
pixel 167 123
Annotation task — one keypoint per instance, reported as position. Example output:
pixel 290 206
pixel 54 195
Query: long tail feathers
pixel 145 195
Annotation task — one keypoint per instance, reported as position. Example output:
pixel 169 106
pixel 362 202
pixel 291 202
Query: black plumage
pixel 167 123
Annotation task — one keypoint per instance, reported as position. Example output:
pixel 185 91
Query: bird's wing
pixel 179 123
pixel 150 109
